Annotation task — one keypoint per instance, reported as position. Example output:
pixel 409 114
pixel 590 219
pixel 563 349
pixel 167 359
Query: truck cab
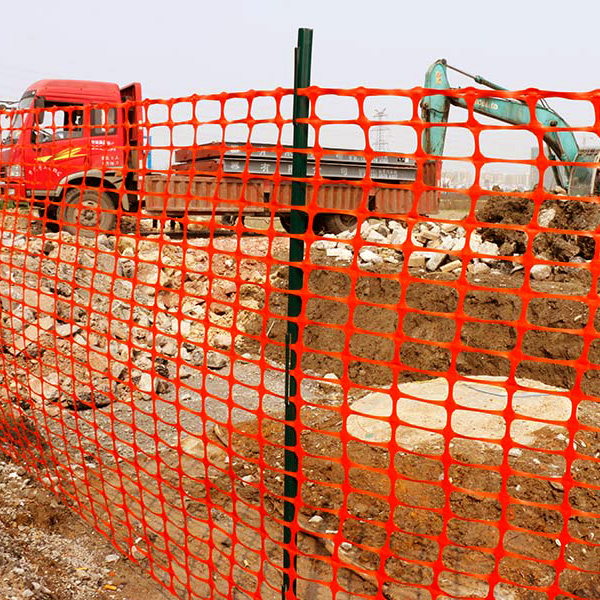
pixel 72 148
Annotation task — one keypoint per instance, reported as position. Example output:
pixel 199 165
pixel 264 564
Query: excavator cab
pixel 584 180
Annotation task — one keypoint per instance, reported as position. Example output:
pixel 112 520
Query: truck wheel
pixel 85 209
pixel 335 222
pixel 229 219
pixel 286 222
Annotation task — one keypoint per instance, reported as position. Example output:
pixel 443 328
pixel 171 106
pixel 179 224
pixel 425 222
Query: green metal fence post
pixel 299 224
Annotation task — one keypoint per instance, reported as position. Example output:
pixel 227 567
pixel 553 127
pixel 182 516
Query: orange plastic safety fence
pixel 448 348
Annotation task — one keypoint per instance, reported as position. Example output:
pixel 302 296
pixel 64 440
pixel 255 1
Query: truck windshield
pixel 16 124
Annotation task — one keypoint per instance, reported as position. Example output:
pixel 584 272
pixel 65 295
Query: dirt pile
pixel 554 213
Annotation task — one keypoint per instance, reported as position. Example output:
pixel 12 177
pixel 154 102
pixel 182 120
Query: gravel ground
pixel 48 553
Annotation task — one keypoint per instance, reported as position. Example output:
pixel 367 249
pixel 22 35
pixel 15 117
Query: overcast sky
pixel 179 47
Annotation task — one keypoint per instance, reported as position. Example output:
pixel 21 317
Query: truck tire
pixel 335 222
pixel 89 208
pixel 286 222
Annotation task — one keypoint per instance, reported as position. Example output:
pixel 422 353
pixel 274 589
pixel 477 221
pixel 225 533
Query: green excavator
pixel 578 179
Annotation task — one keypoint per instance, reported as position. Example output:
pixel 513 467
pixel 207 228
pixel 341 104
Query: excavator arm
pixel 562 144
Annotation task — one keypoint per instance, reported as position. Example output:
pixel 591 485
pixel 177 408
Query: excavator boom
pixel 435 109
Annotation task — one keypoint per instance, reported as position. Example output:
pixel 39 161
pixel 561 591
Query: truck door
pixel 60 144
pixel 105 144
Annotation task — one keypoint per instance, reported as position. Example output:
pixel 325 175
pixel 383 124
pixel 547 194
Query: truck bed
pixel 210 179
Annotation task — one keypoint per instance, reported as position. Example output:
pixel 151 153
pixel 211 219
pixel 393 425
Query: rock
pixel 416 261
pixel 447 243
pixel 221 341
pixel 488 248
pixel 125 267
pixel 84 399
pixel 435 262
pixel 448 227
pixel 479 268
pixel 46 389
pixel 163 387
pixel 316 520
pixel 365 229
pixel 112 558
pixel 347 235
pixel 342 254
pixel 185 372
pixel 122 288
pixel 459 244
pixel 161 366
pixel 145 383
pixel 106 242
pixel 192 355
pixel 541 272
pixel 508 248
pixel 137 553
pixel 169 348
pixel 147 272
pixel 98 362
pixel 119 330
pixel 168 300
pixel 64 330
pixel 375 237
pixel 390 256
pixel 399 236
pixel 127 246
pixel 368 256
pixel 546 216
pixel 451 266
pixel 105 262
pixel 49 247
pixel 119 371
pixel 171 278
pixel 215 361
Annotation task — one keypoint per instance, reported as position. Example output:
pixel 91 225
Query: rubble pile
pixel 86 319
pixel 441 246
pixel 555 213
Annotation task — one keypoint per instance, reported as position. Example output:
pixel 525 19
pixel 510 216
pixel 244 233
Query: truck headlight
pixel 15 171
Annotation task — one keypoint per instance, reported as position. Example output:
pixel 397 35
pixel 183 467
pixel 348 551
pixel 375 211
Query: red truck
pixel 76 149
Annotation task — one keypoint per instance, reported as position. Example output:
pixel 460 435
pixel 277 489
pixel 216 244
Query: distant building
pixel 534 175
pixel 505 181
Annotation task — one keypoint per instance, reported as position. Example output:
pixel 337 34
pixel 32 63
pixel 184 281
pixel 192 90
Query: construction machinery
pixel 575 169
pixel 77 150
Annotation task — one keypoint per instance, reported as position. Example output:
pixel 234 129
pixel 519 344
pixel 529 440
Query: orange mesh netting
pixel 448 420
